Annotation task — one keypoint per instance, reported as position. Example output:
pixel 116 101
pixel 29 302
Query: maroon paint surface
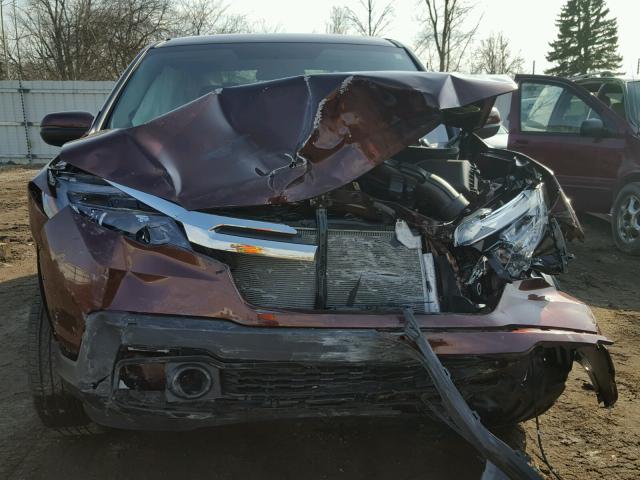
pixel 79 120
pixel 281 141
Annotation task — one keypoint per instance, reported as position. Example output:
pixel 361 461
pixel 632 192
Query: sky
pixel 528 24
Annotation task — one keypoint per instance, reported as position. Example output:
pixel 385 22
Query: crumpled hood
pixel 285 140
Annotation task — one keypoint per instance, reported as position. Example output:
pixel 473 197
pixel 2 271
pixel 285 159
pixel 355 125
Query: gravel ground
pixel 581 440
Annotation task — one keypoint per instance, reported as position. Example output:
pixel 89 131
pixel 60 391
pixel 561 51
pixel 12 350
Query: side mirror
pixel 59 128
pixel 593 127
pixel 491 126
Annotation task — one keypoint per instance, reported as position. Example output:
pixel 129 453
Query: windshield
pixel 169 77
pixel 634 95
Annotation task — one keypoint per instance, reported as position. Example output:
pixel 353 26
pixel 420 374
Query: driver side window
pixel 546 108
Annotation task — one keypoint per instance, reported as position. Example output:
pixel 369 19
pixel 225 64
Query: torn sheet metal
pixel 457 414
pixel 285 140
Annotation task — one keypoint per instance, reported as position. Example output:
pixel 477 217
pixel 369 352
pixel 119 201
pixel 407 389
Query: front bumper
pixel 260 373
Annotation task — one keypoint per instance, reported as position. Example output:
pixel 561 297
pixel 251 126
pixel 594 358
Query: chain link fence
pixel 23 104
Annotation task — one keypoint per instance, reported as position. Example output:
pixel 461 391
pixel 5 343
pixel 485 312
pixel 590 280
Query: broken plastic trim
pixel 528 205
pixel 598 365
pixel 202 229
pixel 461 418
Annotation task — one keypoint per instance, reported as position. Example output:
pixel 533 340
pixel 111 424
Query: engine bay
pixel 432 229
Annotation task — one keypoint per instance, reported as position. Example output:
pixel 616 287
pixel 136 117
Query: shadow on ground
pixel 311 449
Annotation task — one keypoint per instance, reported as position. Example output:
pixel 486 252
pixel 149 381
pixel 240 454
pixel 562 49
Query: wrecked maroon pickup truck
pixel 258 227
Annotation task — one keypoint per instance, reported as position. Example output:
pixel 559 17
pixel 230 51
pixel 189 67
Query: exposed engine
pixel 431 229
pixel 425 229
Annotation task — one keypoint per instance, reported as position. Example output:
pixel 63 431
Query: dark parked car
pixel 588 132
pixel 253 228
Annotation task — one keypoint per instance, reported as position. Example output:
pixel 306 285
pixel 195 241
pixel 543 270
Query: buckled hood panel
pixel 285 140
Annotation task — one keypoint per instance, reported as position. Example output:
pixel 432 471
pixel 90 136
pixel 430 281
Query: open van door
pixel 563 126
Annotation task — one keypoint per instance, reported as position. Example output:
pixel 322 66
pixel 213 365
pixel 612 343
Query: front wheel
pixel 55 406
pixel 625 222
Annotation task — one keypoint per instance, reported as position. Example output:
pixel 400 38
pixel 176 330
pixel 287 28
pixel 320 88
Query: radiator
pixel 366 270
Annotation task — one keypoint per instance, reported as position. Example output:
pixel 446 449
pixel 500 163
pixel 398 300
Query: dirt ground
pixel 581 440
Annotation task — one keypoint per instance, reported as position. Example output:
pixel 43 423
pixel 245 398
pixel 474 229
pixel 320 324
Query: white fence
pixel 21 110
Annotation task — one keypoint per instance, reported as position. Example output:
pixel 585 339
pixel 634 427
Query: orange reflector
pixel 267 317
pixel 248 249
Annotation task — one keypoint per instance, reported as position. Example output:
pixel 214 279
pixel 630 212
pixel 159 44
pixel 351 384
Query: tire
pixel 57 409
pixel 625 221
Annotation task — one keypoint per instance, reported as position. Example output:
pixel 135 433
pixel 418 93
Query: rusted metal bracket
pixel 502 460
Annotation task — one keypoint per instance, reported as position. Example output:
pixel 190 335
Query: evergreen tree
pixel 587 40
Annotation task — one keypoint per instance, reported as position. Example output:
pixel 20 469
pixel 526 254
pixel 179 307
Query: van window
pixel 611 94
pixel 547 108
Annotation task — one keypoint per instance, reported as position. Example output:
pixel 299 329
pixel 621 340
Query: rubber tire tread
pixel 634 248
pixel 56 408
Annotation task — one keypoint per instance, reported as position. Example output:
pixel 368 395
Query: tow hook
pixel 502 462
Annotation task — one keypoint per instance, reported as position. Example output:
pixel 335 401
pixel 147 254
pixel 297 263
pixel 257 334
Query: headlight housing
pixel 111 208
pixel 509 234
pixel 156 221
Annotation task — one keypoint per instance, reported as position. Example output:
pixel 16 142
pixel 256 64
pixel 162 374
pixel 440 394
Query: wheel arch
pixel 631 177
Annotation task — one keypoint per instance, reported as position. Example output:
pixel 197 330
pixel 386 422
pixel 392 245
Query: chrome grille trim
pixel 202 229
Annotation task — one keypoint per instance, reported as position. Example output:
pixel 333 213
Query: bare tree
pixel 445 35
pixel 4 48
pixel 262 26
pixel 339 21
pixel 208 17
pixel 56 38
pixel 131 25
pixel 494 56
pixel 87 39
pixel 97 39
pixel 374 21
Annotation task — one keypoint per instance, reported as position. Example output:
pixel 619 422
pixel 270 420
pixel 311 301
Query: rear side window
pixel 547 108
pixel 612 95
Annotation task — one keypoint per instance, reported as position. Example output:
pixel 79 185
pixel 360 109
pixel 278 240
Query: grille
pixel 332 384
pixel 304 382
pixel 366 269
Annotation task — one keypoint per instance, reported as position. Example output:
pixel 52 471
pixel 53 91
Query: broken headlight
pixel 111 208
pixel 125 214
pixel 510 234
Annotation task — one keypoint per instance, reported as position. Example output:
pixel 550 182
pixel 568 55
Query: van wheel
pixel 625 222
pixel 56 408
